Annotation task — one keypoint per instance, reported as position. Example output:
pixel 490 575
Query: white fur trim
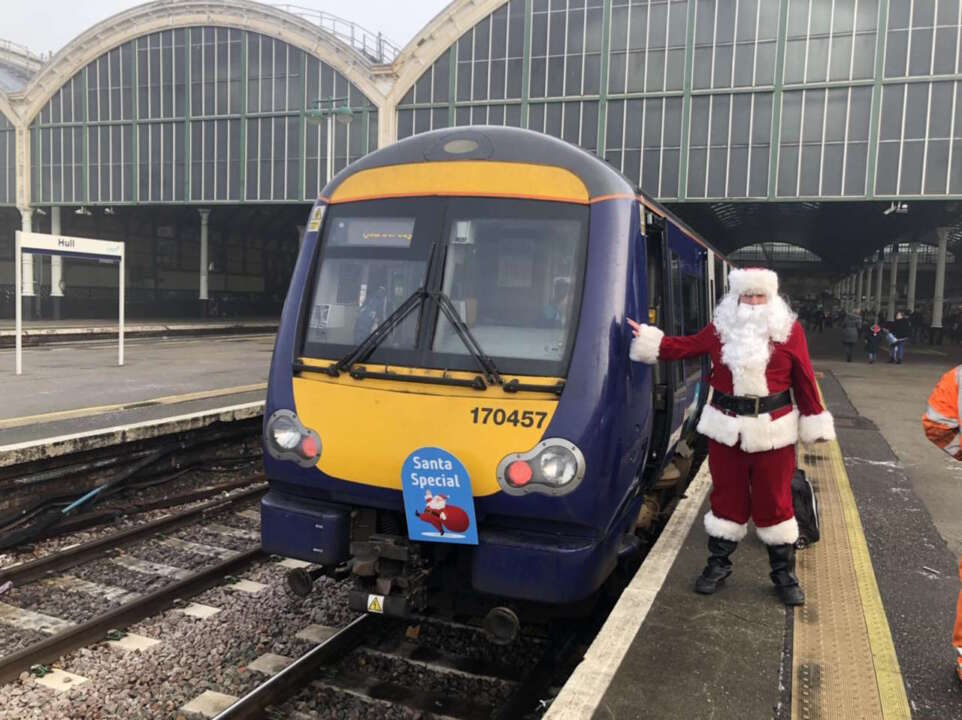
pixel 718 426
pixel 761 433
pixel 757 434
pixel 812 428
pixel 747 379
pixel 724 529
pixel 783 533
pixel 753 280
pixel 644 348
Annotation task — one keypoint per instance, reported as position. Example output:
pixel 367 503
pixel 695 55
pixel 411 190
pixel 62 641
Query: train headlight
pixel 285 433
pixel 287 439
pixel 553 467
pixel 558 465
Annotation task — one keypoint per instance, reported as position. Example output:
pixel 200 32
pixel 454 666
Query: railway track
pixel 363 667
pixel 369 659
pixel 147 585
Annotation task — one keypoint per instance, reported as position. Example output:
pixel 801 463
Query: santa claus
pixel 764 400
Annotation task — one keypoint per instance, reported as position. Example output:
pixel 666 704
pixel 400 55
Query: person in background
pixel 916 321
pixel 901 330
pixel 850 325
pixel 941 425
pixel 819 318
pixel 555 313
pixel 873 336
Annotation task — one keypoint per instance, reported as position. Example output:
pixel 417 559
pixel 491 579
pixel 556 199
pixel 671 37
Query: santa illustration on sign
pixel 759 362
pixel 442 516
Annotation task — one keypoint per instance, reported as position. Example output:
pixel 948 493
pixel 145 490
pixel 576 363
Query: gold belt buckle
pixel 757 400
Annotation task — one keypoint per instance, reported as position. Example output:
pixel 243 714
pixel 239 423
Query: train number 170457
pixel 499 416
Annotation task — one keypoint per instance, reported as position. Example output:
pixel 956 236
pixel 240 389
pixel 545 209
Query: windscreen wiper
pixel 464 333
pixel 367 346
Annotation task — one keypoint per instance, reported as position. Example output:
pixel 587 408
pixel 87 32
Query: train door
pixel 658 302
pixel 679 371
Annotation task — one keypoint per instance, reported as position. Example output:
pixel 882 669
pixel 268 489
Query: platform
pixel 874 637
pixel 67 390
pixel 39 332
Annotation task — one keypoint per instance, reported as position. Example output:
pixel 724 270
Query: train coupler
pixel 390 575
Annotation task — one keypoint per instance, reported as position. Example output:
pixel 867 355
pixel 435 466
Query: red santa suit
pixel 751 458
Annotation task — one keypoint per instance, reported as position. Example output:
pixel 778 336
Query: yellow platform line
pixel 100 409
pixel 895 703
pixel 843 623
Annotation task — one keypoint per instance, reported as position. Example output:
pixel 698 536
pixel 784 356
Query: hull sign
pixel 438 501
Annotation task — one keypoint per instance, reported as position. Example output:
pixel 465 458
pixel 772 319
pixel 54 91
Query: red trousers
pixel 751 485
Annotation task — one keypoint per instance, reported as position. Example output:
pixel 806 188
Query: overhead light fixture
pixel 82 211
pixel 109 211
pixel 899 208
pixel 40 211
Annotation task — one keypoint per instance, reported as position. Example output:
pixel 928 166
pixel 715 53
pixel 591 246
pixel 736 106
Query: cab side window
pixel 677 314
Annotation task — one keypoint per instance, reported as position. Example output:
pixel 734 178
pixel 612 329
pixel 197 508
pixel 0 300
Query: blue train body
pixel 547 547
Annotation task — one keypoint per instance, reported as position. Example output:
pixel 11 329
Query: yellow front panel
pixel 369 427
pixel 464 178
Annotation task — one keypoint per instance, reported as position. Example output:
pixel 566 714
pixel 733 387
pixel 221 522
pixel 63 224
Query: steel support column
pixel 880 270
pixel 204 264
pixel 859 280
pixel 56 267
pixel 893 282
pixel 28 289
pixel 913 273
pixel 937 301
pixel 869 274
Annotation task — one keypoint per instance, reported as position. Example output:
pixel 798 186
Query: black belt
pixel 751 405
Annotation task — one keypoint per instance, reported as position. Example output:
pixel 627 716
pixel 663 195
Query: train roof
pixel 497 144
pixel 486 143
pixel 661 211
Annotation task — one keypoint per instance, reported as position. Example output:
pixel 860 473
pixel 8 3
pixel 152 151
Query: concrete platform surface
pixel 705 657
pixel 43 331
pixel 72 389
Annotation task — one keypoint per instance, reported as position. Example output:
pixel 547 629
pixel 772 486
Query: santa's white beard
pixel 747 333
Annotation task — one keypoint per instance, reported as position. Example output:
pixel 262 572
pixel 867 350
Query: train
pixel 452 417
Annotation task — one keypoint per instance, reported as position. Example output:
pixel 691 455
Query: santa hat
pixel 753 281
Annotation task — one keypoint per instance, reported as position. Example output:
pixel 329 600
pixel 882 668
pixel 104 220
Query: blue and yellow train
pixel 452 415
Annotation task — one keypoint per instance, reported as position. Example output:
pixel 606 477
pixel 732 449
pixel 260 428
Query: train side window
pixel 677 314
pixel 691 304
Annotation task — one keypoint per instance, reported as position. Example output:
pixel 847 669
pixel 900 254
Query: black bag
pixel 806 510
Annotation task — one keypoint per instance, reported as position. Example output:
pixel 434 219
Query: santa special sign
pixel 438 500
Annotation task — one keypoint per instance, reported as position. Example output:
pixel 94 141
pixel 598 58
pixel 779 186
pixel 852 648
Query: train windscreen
pixel 512 270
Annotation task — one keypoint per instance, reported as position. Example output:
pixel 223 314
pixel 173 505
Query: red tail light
pixel 519 473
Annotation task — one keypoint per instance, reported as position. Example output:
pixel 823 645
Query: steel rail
pixel 535 685
pixel 101 517
pixel 299 673
pixel 25 572
pixel 95 630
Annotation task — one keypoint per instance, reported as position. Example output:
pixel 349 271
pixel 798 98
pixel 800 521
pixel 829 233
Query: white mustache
pixel 752 313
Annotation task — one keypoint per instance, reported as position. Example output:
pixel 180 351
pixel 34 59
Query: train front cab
pixel 564 384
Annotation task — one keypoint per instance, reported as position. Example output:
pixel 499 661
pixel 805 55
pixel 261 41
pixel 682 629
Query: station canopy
pixel 842 233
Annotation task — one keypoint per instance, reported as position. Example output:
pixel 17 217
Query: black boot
pixel 782 559
pixel 719 566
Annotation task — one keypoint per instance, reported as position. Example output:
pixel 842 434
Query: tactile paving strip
pixel 844 662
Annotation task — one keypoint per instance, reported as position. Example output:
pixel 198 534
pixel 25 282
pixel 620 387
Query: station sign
pixel 43 244
pixel 105 251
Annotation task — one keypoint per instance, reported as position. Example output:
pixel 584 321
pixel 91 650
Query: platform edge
pixel 586 688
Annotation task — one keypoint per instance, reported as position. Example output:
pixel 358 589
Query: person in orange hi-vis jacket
pixel 941 422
